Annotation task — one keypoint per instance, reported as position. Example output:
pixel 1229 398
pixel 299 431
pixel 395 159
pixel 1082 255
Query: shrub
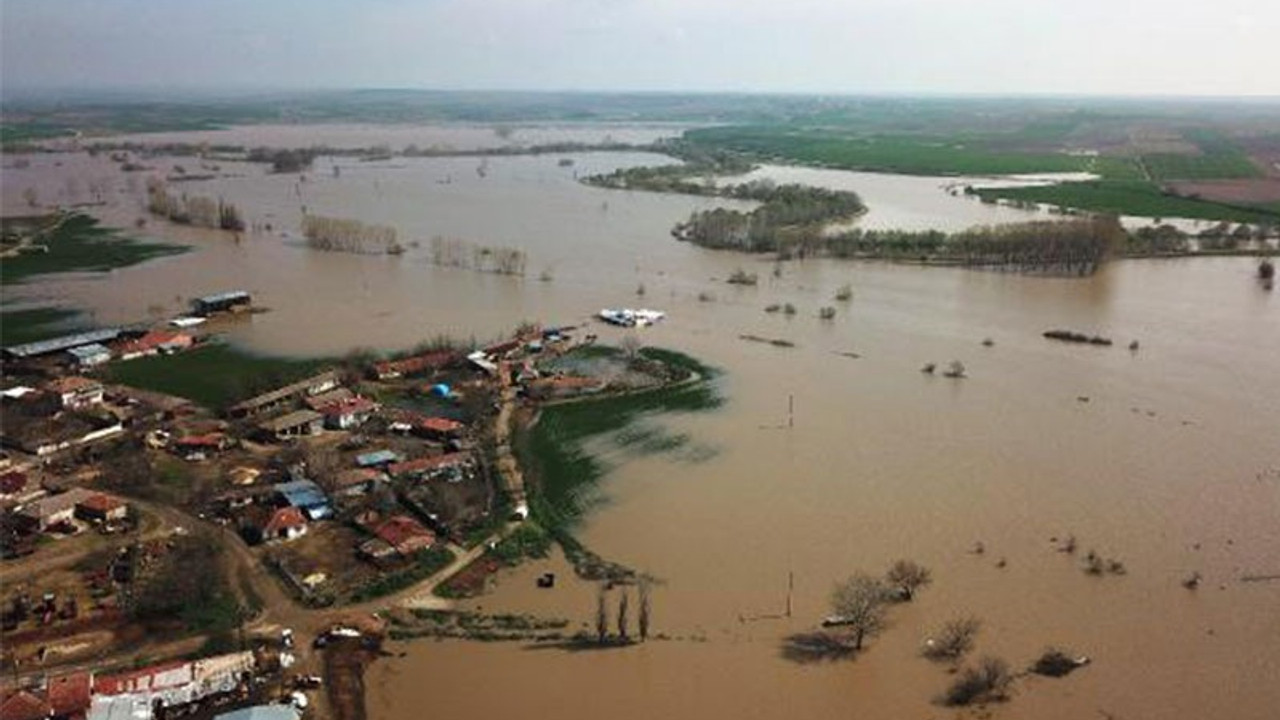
pixel 988 682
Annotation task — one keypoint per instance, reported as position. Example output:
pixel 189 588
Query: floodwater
pixel 1166 459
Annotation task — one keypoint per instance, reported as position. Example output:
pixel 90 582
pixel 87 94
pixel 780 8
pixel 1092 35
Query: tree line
pixel 346 235
pixel 196 210
pixel 787 215
pixel 467 255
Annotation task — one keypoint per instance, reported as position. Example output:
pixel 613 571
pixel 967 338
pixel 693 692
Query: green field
pixel 1219 159
pixel 1129 197
pixel 215 376
pixel 24 326
pixel 77 244
pixel 882 153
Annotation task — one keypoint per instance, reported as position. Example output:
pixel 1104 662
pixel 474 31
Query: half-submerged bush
pixel 988 682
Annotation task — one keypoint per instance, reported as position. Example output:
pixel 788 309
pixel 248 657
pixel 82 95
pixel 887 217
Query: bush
pixel 954 639
pixel 988 682
pixel 1056 663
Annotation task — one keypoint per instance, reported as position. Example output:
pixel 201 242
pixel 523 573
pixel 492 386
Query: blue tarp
pixel 440 390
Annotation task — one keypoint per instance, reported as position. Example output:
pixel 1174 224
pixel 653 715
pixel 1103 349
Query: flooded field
pixel 1165 458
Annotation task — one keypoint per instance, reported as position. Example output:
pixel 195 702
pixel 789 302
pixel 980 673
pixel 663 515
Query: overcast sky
pixel 1161 47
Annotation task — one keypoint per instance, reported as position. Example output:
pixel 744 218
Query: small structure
pixel 90 355
pixel 155 342
pixel 262 712
pixel 358 481
pixel 77 392
pixel 377 458
pixel 284 396
pixel 102 508
pixel 430 467
pixel 306 496
pixel 70 695
pixel 346 414
pixel 286 523
pixel 299 423
pixel 206 444
pixel 12 483
pixel 405 535
pixel 232 301
pixel 325 399
pixel 59 344
pixel 24 705
pixel 418 364
pixel 52 509
pixel 441 428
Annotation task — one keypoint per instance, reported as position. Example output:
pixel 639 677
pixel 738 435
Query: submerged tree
pixel 645 610
pixel 623 606
pixel 602 617
pixel 908 576
pixel 859 604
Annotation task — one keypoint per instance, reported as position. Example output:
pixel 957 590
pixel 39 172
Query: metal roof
pixel 223 297
pixel 261 712
pixel 66 342
pixel 85 352
pixel 302 493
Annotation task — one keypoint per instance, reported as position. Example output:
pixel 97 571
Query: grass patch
pixel 215 375
pixel 881 153
pixel 76 243
pixel 24 326
pixel 426 563
pixel 564 475
pixel 1128 197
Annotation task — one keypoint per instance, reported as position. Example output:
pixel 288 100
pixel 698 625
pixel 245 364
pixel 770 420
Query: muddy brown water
pixel 1171 466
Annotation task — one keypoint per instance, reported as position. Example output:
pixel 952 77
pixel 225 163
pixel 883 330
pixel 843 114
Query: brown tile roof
pixel 422 465
pixel 22 705
pixel 73 383
pixel 282 519
pixel 70 694
pixel 416 364
pixel 405 534
pixel 440 425
pixel 101 503
pixel 12 482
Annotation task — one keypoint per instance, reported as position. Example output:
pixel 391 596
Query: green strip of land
pixel 215 376
pixel 71 243
pixel 24 326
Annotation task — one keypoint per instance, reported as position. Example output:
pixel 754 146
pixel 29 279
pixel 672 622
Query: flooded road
pixel 1165 459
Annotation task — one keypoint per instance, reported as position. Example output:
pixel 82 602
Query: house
pixel 135 695
pixel 43 436
pixel 563 386
pixel 52 509
pixel 278 711
pixel 205 444
pixel 430 467
pixel 285 396
pixel 69 696
pixel 273 524
pixel 77 392
pixel 299 423
pixel 90 355
pixel 155 342
pixel 418 364
pixel 23 705
pixel 405 535
pixel 232 301
pixel 349 413
pixel 12 483
pixel 306 496
pixel 441 428
pixel 358 481
pixel 325 399
pixel 102 508
pixel 377 458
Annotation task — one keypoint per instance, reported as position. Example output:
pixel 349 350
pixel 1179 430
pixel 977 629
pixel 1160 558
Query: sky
pixel 1001 47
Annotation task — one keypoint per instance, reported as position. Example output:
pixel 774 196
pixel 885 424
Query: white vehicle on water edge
pixel 627 317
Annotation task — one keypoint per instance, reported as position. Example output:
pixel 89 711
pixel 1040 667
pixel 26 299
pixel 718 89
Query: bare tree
pixel 623 606
pixel 987 682
pixel 908 576
pixel 859 604
pixel 602 617
pixel 954 640
pixel 645 611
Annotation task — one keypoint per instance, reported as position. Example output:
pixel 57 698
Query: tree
pixel 954 640
pixel 987 682
pixel 859 603
pixel 645 612
pixel 623 605
pixel 908 576
pixel 602 617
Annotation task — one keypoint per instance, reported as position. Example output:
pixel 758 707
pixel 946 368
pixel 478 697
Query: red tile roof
pixel 70 694
pixel 154 339
pixel 416 364
pixel 155 677
pixel 349 407
pixel 440 425
pixel 22 705
pixel 73 383
pixel 405 534
pixel 101 503
pixel 283 519
pixel 12 482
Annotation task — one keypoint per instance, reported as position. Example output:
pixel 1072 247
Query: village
pixel 159 556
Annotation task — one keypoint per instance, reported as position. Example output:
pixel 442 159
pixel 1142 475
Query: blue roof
pixel 303 494
pixel 380 457
pixel 261 712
